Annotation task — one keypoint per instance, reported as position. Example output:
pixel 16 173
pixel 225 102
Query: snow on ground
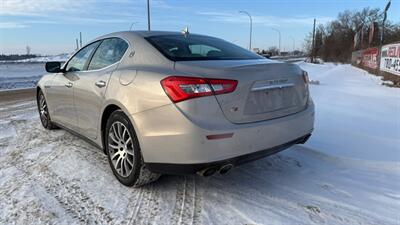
pixel 356 116
pixel 349 172
pixel 58 58
pixel 25 73
pixel 20 75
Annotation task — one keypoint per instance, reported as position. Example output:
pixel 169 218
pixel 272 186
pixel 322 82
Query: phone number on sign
pixel 392 64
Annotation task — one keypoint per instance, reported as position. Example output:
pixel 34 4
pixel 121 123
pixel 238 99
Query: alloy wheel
pixel 121 149
pixel 44 115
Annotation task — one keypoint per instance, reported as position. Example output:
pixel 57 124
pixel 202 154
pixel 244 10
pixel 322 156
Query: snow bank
pixel 356 116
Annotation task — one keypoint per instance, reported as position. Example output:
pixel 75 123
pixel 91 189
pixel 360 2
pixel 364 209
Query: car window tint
pixel 109 52
pixel 77 63
pixel 198 47
pixel 203 50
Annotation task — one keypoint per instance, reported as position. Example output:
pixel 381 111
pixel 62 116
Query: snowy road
pixel 53 177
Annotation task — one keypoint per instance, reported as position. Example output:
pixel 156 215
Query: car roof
pixel 141 33
pixel 156 33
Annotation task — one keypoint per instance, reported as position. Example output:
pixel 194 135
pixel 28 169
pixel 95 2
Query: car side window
pixel 109 52
pixel 77 63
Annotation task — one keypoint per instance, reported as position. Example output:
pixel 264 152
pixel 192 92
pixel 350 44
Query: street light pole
pixel 294 43
pixel 279 32
pixel 251 26
pixel 148 15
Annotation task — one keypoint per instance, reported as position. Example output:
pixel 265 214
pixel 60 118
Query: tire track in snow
pixel 187 209
pixel 70 196
pixel 73 199
pixel 147 205
pixel 136 207
pixel 18 181
pixel 22 145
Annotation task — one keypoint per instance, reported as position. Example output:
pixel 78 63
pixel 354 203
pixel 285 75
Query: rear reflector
pixel 219 136
pixel 182 88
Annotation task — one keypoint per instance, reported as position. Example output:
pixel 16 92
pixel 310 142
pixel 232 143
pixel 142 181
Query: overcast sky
pixel 51 26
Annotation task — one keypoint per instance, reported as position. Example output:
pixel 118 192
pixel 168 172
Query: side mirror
pixel 53 67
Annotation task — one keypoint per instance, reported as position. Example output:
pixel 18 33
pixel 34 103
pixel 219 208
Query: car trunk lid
pixel 266 89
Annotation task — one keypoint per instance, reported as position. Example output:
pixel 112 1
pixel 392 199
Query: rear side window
pixel 78 62
pixel 198 47
pixel 109 52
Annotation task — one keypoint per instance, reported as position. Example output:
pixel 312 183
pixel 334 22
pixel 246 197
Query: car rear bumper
pixel 169 139
pixel 184 169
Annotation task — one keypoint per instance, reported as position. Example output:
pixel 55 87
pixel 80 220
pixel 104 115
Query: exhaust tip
pixel 207 172
pixel 225 169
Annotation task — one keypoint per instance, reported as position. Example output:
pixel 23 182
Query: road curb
pixel 19 94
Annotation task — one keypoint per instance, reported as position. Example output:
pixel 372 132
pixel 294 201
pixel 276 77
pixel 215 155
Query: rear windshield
pixel 197 47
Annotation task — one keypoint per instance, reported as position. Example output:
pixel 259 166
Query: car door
pixel 91 85
pixel 61 91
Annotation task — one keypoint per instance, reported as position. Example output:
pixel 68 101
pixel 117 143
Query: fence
pixel 384 61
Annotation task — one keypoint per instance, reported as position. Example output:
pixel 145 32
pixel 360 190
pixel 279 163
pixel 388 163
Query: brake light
pixel 182 88
pixel 305 77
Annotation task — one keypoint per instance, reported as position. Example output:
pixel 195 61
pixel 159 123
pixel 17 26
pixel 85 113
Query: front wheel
pixel 124 153
pixel 44 111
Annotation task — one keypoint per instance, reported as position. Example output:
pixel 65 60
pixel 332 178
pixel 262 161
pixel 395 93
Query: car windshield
pixel 197 47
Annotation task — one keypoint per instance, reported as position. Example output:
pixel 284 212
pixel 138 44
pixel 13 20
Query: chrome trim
pixel 100 83
pixel 270 87
pixel 69 85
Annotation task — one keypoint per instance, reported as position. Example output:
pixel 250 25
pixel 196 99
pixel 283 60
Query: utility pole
pixel 77 46
pixel 148 15
pixel 384 20
pixel 80 38
pixel 251 26
pixel 382 36
pixel 313 43
pixel 279 33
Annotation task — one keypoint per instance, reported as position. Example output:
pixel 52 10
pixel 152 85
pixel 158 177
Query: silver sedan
pixel 172 103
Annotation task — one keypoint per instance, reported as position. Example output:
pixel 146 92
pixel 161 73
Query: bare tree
pixel 273 50
pixel 335 40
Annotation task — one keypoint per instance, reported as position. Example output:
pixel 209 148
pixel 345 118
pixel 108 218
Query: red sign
pixel 393 51
pixel 370 58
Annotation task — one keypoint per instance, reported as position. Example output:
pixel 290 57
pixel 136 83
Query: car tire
pixel 123 152
pixel 44 114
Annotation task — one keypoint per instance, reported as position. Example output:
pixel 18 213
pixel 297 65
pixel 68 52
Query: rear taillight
pixel 181 88
pixel 305 77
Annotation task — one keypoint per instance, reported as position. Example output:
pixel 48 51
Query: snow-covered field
pixel 348 173
pixel 25 73
pixel 20 75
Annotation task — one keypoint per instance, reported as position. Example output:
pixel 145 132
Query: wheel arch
pixel 38 88
pixel 107 111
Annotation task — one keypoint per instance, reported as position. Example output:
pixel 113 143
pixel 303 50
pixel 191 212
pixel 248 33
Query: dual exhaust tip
pixel 212 170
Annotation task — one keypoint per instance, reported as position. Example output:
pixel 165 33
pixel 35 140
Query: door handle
pixel 69 85
pixel 100 84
